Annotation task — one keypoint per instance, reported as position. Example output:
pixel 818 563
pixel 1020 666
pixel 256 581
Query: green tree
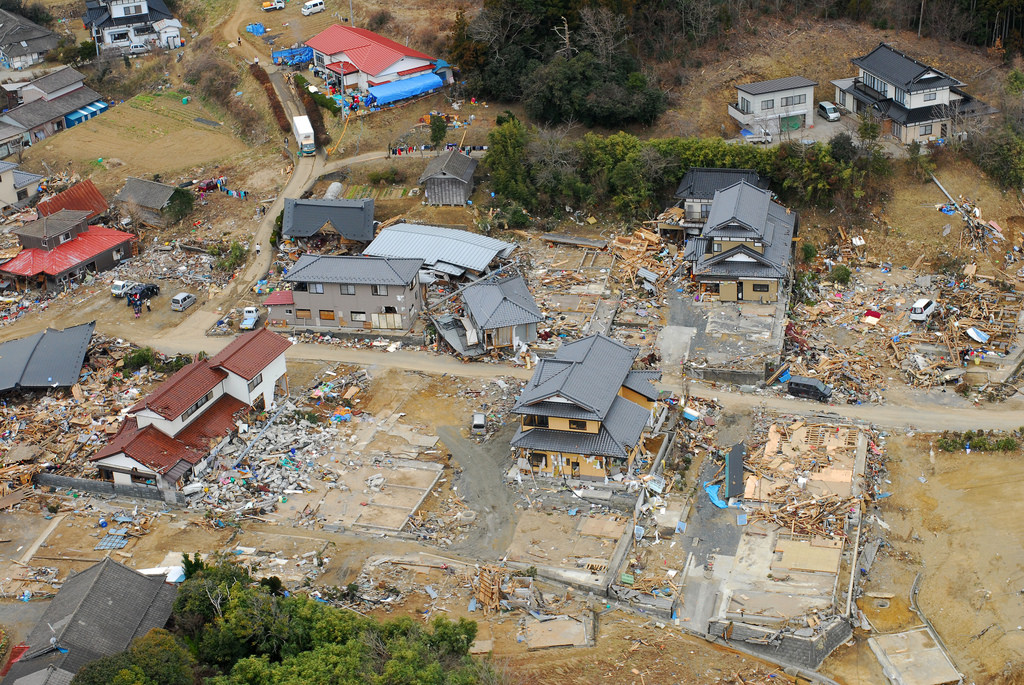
pixel 438 130
pixel 510 177
pixel 808 252
pixel 840 274
pixel 180 205
pixel 156 658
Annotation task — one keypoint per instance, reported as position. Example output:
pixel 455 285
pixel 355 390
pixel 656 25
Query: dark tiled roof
pixel 354 270
pixel 84 196
pixel 147 194
pixel 181 390
pixel 452 164
pixel 775 85
pixel 902 71
pixel 24 178
pixel 39 112
pixel 19 36
pixel 351 219
pixel 55 80
pixel 96 613
pixel 774 263
pixel 97 13
pixel 500 303
pixel 250 353
pixel 47 359
pixel 53 225
pixel 741 210
pixel 701 184
pixel 619 432
pixel 642 382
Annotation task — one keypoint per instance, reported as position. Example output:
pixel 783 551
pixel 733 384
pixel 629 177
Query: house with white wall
pixel 778 105
pixel 167 436
pixel 912 100
pixel 120 23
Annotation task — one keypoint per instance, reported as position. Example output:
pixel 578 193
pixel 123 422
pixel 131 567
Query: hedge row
pixel 328 103
pixel 260 74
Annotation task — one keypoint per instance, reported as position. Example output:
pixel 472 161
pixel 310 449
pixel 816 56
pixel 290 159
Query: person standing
pixel 148 308
pixel 257 249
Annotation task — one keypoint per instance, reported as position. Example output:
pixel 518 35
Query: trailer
pixel 304 136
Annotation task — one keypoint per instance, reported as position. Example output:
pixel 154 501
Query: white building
pixel 120 23
pixel 782 104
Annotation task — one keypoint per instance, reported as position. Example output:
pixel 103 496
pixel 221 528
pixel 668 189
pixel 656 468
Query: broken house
pixel 84 196
pixel 695 193
pixel 320 222
pixel 48 359
pixel 446 252
pixel 448 179
pixel 778 105
pixel 145 200
pixel 349 57
pixel 167 437
pixel 745 248
pixel 494 314
pixel 96 613
pixel 584 411
pixel 62 248
pixel 349 292
pixel 23 42
pixel 17 187
pixel 913 100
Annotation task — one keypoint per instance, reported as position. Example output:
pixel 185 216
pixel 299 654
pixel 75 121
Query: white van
pixel 312 7
pixel 922 309
pixel 828 111
pixel 182 301
pixel 138 49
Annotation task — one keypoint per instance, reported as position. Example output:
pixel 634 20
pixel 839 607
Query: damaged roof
pixel 445 249
pixel 147 194
pixel 50 358
pixel 500 303
pixel 452 164
pixel 351 219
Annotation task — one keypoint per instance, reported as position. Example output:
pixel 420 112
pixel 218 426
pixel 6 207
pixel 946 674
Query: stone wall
pixel 787 647
pixel 102 487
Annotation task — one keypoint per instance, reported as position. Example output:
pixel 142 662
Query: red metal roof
pixel 64 257
pixel 368 51
pixel 344 68
pixel 414 70
pixel 160 452
pixel 181 390
pixel 82 196
pixel 249 354
pixel 279 297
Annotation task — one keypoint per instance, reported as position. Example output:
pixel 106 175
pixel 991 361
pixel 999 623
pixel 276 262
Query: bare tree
pixel 552 158
pixel 700 17
pixel 602 32
pixel 497 27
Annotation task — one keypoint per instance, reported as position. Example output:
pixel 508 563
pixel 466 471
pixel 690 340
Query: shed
pixel 448 179
pixel 148 198
pixel 349 220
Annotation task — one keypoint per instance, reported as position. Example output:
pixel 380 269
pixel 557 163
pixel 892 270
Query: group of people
pixel 138 303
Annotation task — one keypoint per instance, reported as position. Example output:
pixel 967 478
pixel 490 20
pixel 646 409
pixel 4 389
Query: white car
pixel 922 309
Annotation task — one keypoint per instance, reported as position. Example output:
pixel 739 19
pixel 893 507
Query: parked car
pixel 250 318
pixel 312 7
pixel 205 186
pixel 828 111
pixel 273 5
pixel 121 288
pixel 922 309
pixel 182 301
pixel 141 293
pixel 136 49
pixel 811 388
pixel 479 425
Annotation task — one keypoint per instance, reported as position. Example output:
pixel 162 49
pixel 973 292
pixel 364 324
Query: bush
pixel 389 176
pixel 180 205
pixel 230 259
pixel 808 252
pixel 328 103
pixel 379 20
pixel 840 274
pixel 260 74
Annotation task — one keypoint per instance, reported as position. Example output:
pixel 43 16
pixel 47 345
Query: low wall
pixel 806 651
pixel 728 375
pixel 102 487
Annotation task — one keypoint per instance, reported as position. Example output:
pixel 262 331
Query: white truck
pixel 273 5
pixel 304 136
pixel 250 318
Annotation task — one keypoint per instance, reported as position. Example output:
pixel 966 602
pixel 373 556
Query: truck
pixel 273 5
pixel 250 317
pixel 304 136
pixel 761 135
pixel 121 288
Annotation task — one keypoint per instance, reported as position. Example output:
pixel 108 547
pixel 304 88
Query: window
pixel 760 287
pixel 842 98
pixel 930 97
pixel 317 288
pixel 705 210
pixel 64 238
pixel 768 104
pixel 745 105
pixel 717 247
pixel 538 460
pixel 22 194
pixel 535 421
pixel 327 315
pixel 899 95
pixel 132 9
pixel 348 289
pixel 303 314
pixel 379 289
pixel 195 407
pixel 255 381
pixel 925 130
pixel 358 316
pixel 794 100
pixel 288 311
pixel 577 425
pixel 876 84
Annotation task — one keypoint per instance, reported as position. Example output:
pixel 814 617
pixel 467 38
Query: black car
pixel 811 388
pixel 141 293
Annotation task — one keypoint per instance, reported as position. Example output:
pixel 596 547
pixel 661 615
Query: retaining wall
pixel 804 651
pixel 102 487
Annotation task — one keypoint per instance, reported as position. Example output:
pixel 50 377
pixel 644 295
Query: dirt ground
pixel 960 529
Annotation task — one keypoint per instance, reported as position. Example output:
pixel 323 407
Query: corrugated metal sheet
pixel 83 196
pixel 434 244
pixel 47 359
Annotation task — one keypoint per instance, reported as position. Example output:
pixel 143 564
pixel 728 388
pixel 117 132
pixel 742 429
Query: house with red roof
pixel 353 58
pixel 62 247
pixel 168 436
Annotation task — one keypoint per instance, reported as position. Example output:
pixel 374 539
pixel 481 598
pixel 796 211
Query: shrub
pixel 180 205
pixel 388 176
pixel 328 103
pixel 808 252
pixel 379 20
pixel 144 356
pixel 840 274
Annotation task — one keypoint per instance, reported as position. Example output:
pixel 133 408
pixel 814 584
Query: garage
pixel 792 123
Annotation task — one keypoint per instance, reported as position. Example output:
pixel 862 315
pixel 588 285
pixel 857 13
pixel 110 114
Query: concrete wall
pixel 100 487
pixel 727 375
pixel 807 652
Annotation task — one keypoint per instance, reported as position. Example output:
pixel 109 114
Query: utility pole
pixel 920 20
pixel 352 17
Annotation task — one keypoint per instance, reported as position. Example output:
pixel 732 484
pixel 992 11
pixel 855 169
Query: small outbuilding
pixel 448 179
pixel 146 199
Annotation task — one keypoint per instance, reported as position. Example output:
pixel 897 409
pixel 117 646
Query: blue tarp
pixel 712 491
pixel 406 88
pixel 256 29
pixel 293 56
pixel 85 113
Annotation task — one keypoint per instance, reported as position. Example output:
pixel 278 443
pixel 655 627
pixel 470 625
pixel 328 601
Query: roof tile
pixel 249 354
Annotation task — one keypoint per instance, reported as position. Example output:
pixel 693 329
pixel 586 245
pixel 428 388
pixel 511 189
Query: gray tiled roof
pixel 895 67
pixel 24 178
pixel 701 184
pixel 452 164
pixel 774 263
pixel 741 210
pixel 440 247
pixel 500 303
pixel 351 219
pixel 148 194
pixel 19 36
pixel 586 372
pixel 47 359
pixel 642 382
pixel 55 80
pixel 55 224
pixel 96 613
pixel 39 112
pixel 619 432
pixel 775 85
pixel 7 166
pixel 355 270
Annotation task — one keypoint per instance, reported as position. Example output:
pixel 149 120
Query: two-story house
pixel 347 57
pixel 782 104
pixel 745 249
pixel 167 436
pixel 584 412
pixel 695 193
pixel 17 187
pixel 63 247
pixel 120 23
pixel 349 292
pixel 493 314
pixel 47 105
pixel 23 42
pixel 912 100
